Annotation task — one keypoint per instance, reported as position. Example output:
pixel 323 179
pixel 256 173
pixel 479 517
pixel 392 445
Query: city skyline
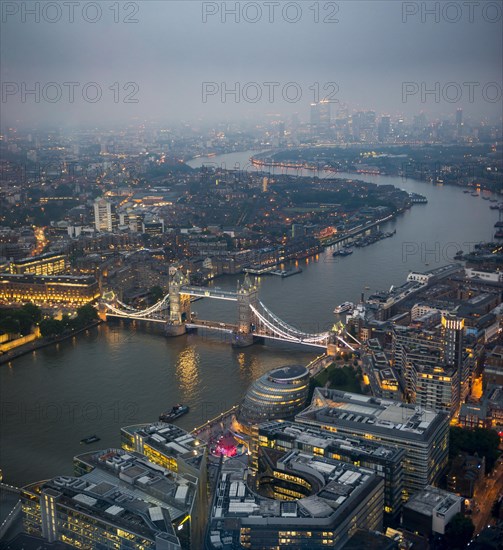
pixel 172 61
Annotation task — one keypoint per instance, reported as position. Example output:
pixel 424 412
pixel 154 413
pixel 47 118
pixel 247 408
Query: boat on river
pixel 174 413
pixel 90 439
pixel 344 308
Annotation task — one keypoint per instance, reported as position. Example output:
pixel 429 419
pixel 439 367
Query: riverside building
pixel 385 461
pixel 68 290
pixel 422 433
pixel 336 500
pixel 279 394
pixel 118 500
pixel 166 445
pixel 172 448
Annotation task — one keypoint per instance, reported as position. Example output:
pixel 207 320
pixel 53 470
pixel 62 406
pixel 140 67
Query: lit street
pixel 485 498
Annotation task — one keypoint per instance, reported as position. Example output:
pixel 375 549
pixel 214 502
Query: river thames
pixel 117 374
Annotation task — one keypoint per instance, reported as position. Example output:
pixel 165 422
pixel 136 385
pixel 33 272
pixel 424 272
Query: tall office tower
pixel 281 134
pixel 315 117
pixel 342 124
pixel 363 125
pixel 295 125
pixel 103 215
pixel 459 117
pixel 370 126
pixel 459 122
pixel 453 341
pixel 384 128
pixel 321 117
pixel 325 115
pixel 419 122
pixel 356 125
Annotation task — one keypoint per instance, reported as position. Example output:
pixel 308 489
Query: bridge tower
pixel 334 345
pixel 102 311
pixel 179 304
pixel 247 295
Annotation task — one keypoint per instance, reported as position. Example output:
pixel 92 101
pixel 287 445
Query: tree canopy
pixel 459 532
pixel 482 441
pixel 85 316
pixel 20 320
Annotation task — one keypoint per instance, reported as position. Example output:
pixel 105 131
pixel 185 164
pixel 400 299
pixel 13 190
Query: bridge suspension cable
pixel 137 313
pixel 285 331
pixel 292 330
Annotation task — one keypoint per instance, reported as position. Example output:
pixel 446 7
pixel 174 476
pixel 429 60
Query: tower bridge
pixel 254 320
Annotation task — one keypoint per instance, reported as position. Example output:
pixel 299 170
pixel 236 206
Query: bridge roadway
pixel 230 328
pixel 213 325
pixel 152 318
pixel 267 325
pixel 204 292
pixel 221 327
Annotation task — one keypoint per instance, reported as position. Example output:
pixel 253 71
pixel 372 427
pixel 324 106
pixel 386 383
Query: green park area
pixel 339 376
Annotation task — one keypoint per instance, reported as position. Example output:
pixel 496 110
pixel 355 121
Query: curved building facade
pixel 278 394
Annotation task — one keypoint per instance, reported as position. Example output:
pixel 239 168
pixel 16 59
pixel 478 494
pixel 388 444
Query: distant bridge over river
pixel 255 320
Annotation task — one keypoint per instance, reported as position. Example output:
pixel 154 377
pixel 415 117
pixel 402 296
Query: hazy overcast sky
pixel 170 51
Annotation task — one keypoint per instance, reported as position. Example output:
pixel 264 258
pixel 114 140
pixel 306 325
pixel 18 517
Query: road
pixel 368 369
pixel 486 496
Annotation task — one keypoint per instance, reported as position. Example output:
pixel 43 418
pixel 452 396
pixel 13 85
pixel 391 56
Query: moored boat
pixel 345 307
pixel 90 439
pixel 174 413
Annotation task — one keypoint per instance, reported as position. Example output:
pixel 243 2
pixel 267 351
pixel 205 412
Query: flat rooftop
pixel 432 499
pixel 40 279
pixel 39 258
pixel 133 475
pixel 170 440
pixel 125 490
pixel 343 487
pixel 371 414
pixel 303 434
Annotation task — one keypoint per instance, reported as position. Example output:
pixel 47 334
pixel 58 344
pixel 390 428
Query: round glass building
pixel 279 394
